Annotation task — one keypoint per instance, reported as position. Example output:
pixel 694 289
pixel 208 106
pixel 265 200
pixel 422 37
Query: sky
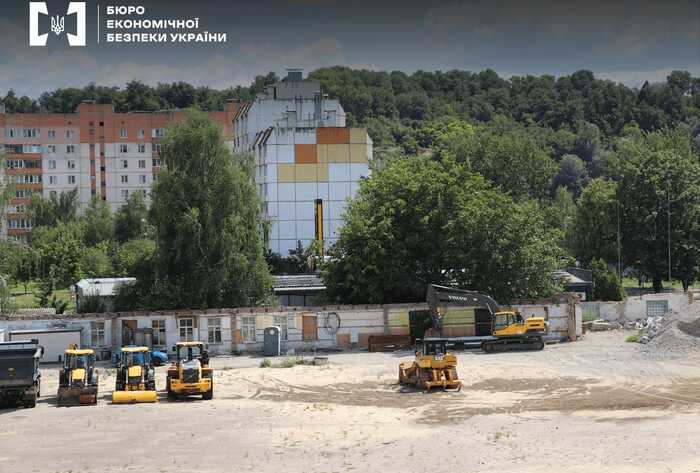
pixel 626 41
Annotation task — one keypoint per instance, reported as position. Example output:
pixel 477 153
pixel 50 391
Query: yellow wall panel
pixel 338 153
pixel 398 319
pixel 322 153
pixel 358 153
pixel 358 135
pixel 285 172
pixel 305 173
pixel 322 172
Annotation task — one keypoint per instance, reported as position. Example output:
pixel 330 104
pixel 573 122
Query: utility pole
pixel 619 250
pixel 668 208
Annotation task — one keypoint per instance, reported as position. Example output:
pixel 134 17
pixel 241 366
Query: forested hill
pixel 385 100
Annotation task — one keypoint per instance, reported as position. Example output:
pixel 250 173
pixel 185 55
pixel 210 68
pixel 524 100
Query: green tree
pixel 206 212
pixel 419 221
pixel 131 220
pixel 560 214
pixel 661 181
pixel 48 212
pixel 98 223
pixel 129 254
pixel 59 249
pixel 95 262
pixel 607 284
pixel 572 174
pixel 594 234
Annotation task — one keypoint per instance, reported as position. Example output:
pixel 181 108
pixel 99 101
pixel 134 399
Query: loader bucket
pixel 133 397
pixel 68 396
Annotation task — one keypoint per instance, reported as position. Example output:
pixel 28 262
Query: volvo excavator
pixel 509 331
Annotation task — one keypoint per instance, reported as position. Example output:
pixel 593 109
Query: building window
pixel 51 149
pixel 52 164
pixel 155 178
pixel 125 179
pixel 142 164
pixel 157 133
pixel 71 179
pixel 141 134
pixel 156 163
pixel 214 329
pixel 70 149
pixel 158 332
pixel 52 179
pixel 52 134
pixel 125 164
pixel 71 164
pixel 142 148
pixel 125 194
pixel 123 148
pixel 186 327
pixel 656 308
pixel 281 322
pixel 31 133
pixel 70 134
pixel 142 178
pixel 97 334
pixel 122 134
pixel 144 193
pixel 155 147
pixel 28 179
pixel 248 329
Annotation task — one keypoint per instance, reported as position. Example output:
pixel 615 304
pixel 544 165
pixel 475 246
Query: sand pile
pixel 675 335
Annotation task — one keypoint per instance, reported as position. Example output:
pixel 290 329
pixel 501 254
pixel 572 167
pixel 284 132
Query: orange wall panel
pixel 332 135
pixel 305 154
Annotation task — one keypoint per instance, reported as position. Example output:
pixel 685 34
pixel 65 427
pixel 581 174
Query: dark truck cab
pixel 20 379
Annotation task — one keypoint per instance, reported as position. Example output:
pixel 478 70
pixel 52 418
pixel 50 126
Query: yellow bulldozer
pixel 190 373
pixel 78 379
pixel 135 377
pixel 433 367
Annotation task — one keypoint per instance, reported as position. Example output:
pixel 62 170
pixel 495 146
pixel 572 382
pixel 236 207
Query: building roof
pixel 574 276
pixel 298 282
pixel 101 286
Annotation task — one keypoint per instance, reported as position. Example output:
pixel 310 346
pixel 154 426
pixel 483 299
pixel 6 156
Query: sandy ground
pixel 598 405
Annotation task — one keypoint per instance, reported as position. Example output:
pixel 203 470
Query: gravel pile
pixel 675 335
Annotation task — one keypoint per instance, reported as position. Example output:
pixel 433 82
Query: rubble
pixel 674 335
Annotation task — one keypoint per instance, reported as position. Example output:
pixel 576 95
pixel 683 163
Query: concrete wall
pixel 326 327
pixel 635 308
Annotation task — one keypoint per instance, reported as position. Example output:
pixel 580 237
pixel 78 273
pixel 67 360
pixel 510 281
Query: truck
pixel 20 378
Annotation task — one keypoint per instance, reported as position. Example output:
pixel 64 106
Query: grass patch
pixel 634 338
pixel 28 300
pixel 286 363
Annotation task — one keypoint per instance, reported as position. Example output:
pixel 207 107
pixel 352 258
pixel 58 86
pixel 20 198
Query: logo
pixel 57 23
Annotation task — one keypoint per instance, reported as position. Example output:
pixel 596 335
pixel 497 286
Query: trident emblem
pixel 58 24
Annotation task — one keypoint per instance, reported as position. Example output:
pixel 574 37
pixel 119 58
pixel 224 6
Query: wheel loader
pixel 434 367
pixel 135 377
pixel 78 378
pixel 190 373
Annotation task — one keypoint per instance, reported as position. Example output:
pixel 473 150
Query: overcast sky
pixel 629 41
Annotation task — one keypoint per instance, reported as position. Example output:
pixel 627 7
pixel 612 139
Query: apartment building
pixel 308 163
pixel 95 150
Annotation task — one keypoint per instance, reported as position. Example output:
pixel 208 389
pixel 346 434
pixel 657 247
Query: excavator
pixel 78 378
pixel 135 377
pixel 509 331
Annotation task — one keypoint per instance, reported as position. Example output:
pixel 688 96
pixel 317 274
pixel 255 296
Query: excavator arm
pixel 443 294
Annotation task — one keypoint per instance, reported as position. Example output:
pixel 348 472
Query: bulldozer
pixel 78 378
pixel 433 367
pixel 135 377
pixel 190 373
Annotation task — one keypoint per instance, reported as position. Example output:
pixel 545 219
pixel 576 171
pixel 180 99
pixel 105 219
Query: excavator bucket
pixel 133 397
pixel 68 396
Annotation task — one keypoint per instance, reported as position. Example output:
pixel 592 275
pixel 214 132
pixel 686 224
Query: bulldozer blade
pixel 133 397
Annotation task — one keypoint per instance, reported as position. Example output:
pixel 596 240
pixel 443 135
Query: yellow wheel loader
pixel 135 377
pixel 434 367
pixel 190 373
pixel 78 378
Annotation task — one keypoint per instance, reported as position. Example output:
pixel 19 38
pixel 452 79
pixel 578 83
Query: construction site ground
pixel 599 404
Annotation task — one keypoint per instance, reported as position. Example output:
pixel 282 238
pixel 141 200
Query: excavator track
pixel 512 344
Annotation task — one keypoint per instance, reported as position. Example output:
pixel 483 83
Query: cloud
pixel 32 71
pixel 629 26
